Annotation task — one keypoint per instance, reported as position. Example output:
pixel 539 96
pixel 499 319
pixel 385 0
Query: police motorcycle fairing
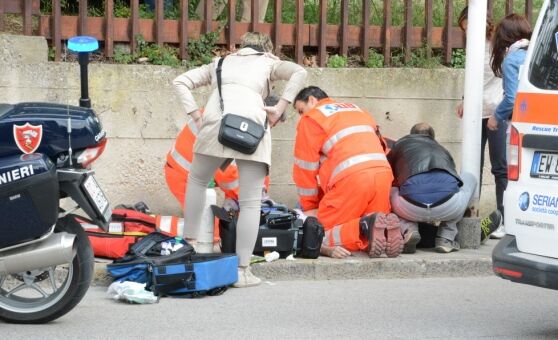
pixel 46 260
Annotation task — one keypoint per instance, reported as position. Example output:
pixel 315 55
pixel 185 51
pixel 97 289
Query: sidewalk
pixel 424 263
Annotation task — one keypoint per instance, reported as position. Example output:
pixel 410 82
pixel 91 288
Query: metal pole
pixel 472 105
pixel 83 58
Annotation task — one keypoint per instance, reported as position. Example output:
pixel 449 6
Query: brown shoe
pixel 376 225
pixel 394 242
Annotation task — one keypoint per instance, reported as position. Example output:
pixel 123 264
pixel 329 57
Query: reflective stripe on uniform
pixel 177 157
pixel 306 192
pixel 323 158
pixel 333 236
pixel 306 165
pixel 326 148
pixel 229 185
pixel 357 160
pixel 193 127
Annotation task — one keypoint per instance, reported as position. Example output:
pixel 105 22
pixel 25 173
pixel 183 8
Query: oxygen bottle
pixel 205 236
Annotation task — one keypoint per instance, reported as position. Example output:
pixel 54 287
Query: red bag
pixel 126 228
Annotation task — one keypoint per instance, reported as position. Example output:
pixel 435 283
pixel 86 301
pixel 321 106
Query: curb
pixel 425 263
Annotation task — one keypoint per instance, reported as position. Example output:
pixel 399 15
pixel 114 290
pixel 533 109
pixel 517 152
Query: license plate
pixel 545 165
pixel 96 194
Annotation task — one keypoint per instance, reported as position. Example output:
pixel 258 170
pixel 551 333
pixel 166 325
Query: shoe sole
pixel 445 250
pixel 394 242
pixel 247 285
pixel 377 239
pixel 410 243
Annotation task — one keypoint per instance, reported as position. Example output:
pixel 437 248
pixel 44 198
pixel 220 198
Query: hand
pixel 492 123
pixel 275 113
pixel 337 252
pixel 197 117
pixel 459 110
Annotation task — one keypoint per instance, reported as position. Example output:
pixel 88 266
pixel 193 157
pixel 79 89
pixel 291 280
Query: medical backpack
pixel 280 230
pixel 181 272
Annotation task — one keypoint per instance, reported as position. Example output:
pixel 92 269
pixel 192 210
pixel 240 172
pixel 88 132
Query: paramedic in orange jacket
pixel 343 177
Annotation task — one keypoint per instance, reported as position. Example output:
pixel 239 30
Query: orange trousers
pixel 352 197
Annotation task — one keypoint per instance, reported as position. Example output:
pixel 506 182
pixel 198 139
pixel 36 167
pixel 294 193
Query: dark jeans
pixel 497 151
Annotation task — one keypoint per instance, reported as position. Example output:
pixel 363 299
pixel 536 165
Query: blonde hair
pixel 257 39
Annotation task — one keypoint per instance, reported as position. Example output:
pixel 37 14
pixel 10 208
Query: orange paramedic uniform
pixel 340 168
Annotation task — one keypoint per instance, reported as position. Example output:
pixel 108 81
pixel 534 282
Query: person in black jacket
pixel 427 187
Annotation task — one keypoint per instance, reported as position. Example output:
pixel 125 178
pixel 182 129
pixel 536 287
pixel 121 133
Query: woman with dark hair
pixel 492 96
pixel 509 49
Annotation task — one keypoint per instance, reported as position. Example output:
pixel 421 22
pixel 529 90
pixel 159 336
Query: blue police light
pixel 83 43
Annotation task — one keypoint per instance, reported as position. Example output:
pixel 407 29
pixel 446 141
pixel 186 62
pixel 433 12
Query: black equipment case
pixel 280 230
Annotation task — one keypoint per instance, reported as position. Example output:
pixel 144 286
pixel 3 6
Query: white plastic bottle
pixel 205 236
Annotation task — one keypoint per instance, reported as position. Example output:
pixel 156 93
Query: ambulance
pixel 529 252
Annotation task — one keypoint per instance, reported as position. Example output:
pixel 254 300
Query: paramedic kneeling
pixel 427 187
pixel 343 177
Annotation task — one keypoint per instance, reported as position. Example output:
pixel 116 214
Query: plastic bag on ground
pixel 132 292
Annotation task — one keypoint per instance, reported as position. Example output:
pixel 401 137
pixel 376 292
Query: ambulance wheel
pixel 45 294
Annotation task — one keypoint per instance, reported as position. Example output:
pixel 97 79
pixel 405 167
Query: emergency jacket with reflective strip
pixel 181 155
pixel 333 141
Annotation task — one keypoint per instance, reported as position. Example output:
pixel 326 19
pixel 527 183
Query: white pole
pixel 472 105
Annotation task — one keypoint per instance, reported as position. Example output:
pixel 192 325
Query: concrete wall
pixel 142 116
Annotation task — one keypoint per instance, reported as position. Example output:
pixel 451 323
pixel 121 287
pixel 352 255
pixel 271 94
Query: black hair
pixel 306 92
pixel 423 129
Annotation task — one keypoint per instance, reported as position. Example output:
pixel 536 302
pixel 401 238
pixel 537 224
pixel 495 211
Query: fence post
pixel 82 27
pixel 255 15
pixel 1 15
pixel 365 43
pixel 428 24
pixel 183 30
pixel 208 16
pixel 490 9
pixel 232 25
pixel 277 26
pixel 447 31
pixel 299 31
pixel 529 10
pixel 322 48
pixel 509 6
pixel 344 45
pixel 56 27
pixel 408 30
pixel 27 18
pixel 387 32
pixel 159 22
pixel 109 28
pixel 135 26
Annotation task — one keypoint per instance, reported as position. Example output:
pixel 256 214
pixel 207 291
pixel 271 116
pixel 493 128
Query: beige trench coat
pixel 246 77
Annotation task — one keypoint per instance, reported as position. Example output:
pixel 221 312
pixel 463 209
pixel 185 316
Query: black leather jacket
pixel 415 154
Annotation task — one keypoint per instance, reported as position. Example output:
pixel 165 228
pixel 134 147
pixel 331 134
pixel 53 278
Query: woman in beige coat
pixel 246 76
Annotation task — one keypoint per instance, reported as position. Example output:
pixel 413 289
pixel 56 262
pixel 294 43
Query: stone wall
pixel 142 116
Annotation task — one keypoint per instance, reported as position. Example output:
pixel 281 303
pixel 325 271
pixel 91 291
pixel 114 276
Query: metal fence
pixel 298 35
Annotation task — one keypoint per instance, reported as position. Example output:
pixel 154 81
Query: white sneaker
pixel 499 233
pixel 246 278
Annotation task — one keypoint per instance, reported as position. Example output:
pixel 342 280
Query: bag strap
pixel 218 72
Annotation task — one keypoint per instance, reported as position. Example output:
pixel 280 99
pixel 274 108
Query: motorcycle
pixel 46 260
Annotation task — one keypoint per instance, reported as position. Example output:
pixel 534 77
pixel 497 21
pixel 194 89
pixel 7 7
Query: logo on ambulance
pixel 28 137
pixel 524 201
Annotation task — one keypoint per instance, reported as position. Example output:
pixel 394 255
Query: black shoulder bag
pixel 237 132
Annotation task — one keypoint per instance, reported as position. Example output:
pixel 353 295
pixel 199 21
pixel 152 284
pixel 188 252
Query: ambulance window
pixel 544 64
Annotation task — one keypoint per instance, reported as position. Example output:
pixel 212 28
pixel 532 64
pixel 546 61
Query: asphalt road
pixel 457 308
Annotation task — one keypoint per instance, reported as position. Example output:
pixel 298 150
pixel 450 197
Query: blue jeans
pixel 497 152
